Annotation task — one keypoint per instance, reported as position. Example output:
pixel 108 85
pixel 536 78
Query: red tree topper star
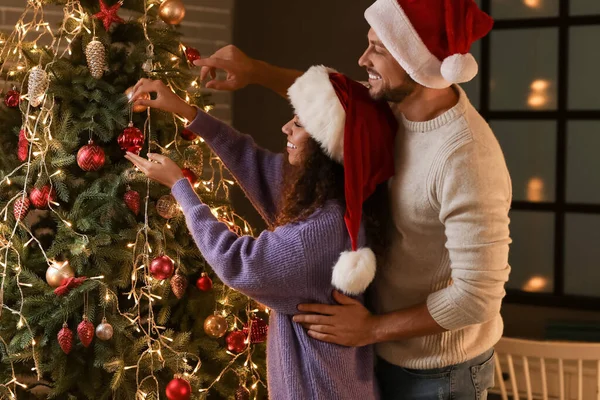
pixel 108 15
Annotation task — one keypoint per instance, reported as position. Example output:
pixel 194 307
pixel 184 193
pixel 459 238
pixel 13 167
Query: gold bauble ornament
pixel 215 326
pixel 95 54
pixel 172 11
pixel 57 272
pixel 143 96
pixel 167 207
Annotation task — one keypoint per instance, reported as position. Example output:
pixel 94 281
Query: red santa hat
pixel 359 133
pixel 431 39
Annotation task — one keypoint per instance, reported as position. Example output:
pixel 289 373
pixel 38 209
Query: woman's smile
pixel 291 146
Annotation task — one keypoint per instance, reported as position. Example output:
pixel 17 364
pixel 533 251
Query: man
pixel 438 290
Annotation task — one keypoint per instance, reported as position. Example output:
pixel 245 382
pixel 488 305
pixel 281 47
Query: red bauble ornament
pixel 131 140
pixel 21 208
pixel 108 15
pixel 162 268
pixel 40 198
pixel 192 54
pixel 236 341
pixel 204 283
pixel 258 332
pixel 179 389
pixel 23 149
pixel 65 339
pixel 188 135
pixel 85 332
pixel 190 175
pixel 91 157
pixel 12 98
pixel 132 201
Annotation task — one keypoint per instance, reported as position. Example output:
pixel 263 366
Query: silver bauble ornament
pixel 104 331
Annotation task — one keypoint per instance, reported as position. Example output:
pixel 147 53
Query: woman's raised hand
pixel 165 99
pixel 157 167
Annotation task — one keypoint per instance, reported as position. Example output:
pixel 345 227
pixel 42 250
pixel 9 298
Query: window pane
pixel 473 88
pixel 583 163
pixel 510 9
pixel 585 7
pixel 584 86
pixel 530 151
pixel 582 255
pixel 532 251
pixel 524 69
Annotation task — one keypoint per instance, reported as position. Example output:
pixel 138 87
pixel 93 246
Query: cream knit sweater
pixel 450 196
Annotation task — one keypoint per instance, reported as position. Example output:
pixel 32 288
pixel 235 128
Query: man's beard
pixel 395 95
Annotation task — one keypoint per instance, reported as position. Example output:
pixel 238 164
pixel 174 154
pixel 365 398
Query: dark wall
pixel 294 34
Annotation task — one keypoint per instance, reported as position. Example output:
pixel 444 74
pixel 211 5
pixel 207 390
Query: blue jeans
pixel 467 381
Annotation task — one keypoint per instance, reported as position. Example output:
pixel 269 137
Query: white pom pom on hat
pixel 459 68
pixel 431 39
pixel 354 271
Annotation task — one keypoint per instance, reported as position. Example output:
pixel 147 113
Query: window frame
pixel 561 116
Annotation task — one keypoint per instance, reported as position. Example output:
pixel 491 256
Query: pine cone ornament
pixel 23 149
pixel 85 332
pixel 65 339
pixel 194 159
pixel 242 393
pixel 258 330
pixel 132 201
pixel 179 284
pixel 95 55
pixel 21 208
pixel 37 86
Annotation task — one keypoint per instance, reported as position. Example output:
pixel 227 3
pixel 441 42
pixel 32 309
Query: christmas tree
pixel 103 294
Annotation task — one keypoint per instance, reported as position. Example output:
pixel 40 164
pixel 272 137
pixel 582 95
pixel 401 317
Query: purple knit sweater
pixel 280 269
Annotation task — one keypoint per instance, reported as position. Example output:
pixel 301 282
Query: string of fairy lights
pixel 30 30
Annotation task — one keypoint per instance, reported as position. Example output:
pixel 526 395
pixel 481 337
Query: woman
pixel 314 207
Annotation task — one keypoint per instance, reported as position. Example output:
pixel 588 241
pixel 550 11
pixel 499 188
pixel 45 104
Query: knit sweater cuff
pixel 205 125
pixel 444 311
pixel 184 194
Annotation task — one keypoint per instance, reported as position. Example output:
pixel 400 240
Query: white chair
pixel 547 370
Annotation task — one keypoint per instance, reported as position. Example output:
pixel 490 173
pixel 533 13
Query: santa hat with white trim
pixel 359 133
pixel 431 39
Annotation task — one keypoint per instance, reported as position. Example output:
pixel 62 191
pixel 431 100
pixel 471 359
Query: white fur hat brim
pixel 354 271
pixel 394 29
pixel 319 109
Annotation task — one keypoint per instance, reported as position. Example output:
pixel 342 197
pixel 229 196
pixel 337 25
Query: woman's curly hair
pixel 319 179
